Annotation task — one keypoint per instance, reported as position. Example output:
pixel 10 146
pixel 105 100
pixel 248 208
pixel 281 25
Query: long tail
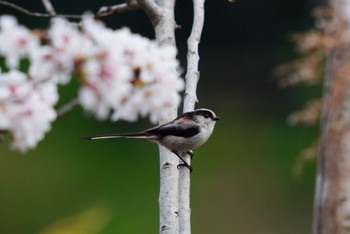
pixel 122 135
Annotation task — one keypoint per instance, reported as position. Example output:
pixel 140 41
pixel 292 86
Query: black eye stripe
pixel 199 112
pixel 205 114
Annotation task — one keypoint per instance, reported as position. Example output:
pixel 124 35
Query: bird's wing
pixel 184 128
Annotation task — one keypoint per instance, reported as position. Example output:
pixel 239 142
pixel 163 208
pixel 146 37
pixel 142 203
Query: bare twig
pixel 36 14
pixel 118 9
pixel 103 12
pixel 49 7
pixel 67 107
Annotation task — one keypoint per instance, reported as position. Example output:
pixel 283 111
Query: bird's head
pixel 204 117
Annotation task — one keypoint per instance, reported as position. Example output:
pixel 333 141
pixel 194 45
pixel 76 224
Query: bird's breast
pixel 183 144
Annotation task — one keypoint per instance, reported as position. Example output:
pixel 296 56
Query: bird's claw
pixel 190 153
pixel 185 165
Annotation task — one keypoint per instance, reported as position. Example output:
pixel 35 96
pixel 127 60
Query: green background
pixel 242 181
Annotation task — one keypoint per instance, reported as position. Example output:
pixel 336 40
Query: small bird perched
pixel 182 135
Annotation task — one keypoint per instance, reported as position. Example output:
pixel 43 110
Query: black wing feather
pixel 175 130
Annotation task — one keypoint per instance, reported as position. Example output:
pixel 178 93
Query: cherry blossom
pixel 123 76
pixel 32 118
pixel 26 110
pixel 135 77
pixel 16 41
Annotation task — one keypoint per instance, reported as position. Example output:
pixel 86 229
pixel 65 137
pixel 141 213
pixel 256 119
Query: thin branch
pixel 49 7
pixel 103 12
pixel 190 99
pixel 67 107
pixel 192 75
pixel 118 9
pixel 131 5
pixel 37 14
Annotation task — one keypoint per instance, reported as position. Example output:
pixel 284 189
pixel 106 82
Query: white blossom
pixel 141 77
pixel 123 75
pixel 16 41
pixel 69 45
pixel 26 108
pixel 44 66
pixel 31 119
pixel 13 85
pixel 105 86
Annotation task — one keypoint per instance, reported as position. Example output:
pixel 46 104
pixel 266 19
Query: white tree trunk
pixel 169 174
pixel 161 14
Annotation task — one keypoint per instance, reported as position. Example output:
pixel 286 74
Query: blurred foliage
pixel 242 180
pixel 90 221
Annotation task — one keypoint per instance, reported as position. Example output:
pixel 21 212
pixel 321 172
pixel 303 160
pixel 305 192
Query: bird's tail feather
pixel 140 135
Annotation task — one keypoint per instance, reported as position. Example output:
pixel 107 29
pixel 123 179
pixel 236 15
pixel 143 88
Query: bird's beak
pixel 216 118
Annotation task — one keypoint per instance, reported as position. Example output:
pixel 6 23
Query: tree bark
pixel 161 14
pixel 332 196
pixel 190 99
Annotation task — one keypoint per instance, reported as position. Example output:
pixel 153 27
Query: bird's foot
pixel 185 165
pixel 191 153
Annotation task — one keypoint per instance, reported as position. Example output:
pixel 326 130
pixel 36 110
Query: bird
pixel 184 134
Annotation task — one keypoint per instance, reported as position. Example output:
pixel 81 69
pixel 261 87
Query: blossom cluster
pixel 122 75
